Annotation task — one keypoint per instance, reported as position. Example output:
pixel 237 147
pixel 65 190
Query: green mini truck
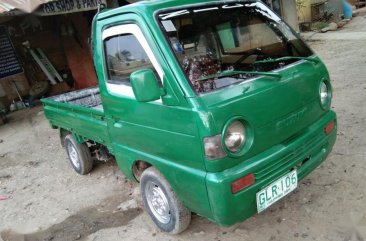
pixel 213 107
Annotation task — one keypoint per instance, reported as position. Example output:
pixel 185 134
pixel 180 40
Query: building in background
pixel 57 33
pixel 311 11
pixel 318 10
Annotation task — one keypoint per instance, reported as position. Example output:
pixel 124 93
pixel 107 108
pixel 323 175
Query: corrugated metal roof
pixel 26 6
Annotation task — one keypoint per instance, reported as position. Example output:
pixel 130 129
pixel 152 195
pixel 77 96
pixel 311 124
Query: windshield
pixel 244 39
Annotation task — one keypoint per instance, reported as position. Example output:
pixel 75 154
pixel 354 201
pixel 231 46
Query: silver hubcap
pixel 74 157
pixel 157 202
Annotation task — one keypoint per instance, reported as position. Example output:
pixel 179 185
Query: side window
pixel 126 50
pixel 124 55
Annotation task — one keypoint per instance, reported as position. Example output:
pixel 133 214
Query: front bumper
pixel 305 152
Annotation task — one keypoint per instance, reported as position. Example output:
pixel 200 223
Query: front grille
pixel 290 160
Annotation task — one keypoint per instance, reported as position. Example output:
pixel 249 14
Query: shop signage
pixel 67 6
pixel 9 63
pixel 12 13
pixel 57 7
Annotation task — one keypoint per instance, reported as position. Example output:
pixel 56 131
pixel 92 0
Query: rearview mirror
pixel 145 85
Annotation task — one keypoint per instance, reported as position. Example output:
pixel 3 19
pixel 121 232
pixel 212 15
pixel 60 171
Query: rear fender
pixel 63 133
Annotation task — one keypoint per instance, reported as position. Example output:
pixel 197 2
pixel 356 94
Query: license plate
pixel 276 190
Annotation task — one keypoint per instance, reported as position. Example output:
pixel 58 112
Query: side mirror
pixel 145 85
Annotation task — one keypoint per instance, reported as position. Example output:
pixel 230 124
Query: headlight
pixel 325 94
pixel 235 136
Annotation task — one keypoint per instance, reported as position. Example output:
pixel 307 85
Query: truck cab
pixel 215 107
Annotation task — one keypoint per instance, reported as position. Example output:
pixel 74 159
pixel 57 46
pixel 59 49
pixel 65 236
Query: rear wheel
pixel 160 201
pixel 79 155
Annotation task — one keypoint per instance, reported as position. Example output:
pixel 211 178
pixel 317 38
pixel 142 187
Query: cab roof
pixel 149 7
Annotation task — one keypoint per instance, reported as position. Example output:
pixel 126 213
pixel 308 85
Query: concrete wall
pixel 289 13
pixel 287 10
pixel 304 11
pixel 332 6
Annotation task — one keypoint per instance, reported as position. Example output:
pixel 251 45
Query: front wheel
pixel 160 201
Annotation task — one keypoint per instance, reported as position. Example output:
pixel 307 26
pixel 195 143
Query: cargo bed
pixel 80 112
pixel 89 98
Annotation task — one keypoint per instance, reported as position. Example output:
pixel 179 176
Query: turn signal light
pixel 242 183
pixel 329 127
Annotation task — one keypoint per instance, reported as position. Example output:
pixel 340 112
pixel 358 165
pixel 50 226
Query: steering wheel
pixel 256 51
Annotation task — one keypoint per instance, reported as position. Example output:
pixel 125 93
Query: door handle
pixel 117 125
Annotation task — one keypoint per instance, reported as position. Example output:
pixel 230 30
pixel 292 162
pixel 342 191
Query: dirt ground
pixel 46 200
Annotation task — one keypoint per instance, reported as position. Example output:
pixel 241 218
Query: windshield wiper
pixel 235 72
pixel 287 58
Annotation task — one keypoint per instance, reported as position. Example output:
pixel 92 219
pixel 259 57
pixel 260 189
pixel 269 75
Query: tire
pixel 39 89
pixel 161 203
pixel 79 155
